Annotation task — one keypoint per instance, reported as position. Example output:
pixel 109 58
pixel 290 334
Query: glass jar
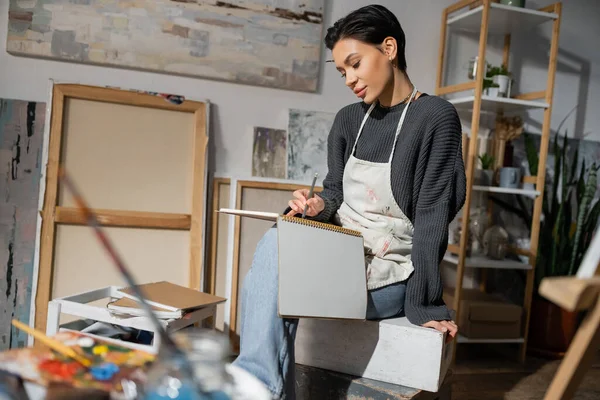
pixel 457 233
pixel 472 73
pixel 205 351
pixel 478 223
pixel 495 242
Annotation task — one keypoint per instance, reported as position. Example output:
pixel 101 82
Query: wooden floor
pixel 481 374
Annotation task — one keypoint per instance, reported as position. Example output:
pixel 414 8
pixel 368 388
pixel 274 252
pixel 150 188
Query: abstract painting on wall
pixel 257 42
pixel 307 144
pixel 21 140
pixel 269 153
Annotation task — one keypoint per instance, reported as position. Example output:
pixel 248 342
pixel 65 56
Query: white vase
pixel 492 92
pixel 503 82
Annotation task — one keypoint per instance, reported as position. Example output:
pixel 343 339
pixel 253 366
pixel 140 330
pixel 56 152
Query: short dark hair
pixel 369 24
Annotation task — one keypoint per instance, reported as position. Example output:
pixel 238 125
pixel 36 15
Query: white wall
pixel 578 67
pixel 236 108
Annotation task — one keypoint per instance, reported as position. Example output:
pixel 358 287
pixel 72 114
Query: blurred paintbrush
pixel 92 221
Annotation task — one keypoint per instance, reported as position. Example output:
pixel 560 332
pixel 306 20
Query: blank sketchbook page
pixel 322 272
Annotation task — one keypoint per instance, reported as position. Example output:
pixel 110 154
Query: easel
pixel 577 293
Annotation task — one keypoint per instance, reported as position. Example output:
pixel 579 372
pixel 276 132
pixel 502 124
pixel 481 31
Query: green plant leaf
pixel 566 233
pixel 521 213
pixel 592 218
pixel 565 236
pixel 487 161
pixel 531 153
pixel 525 210
pixel 590 224
pixel 574 166
pixel 590 190
pixel 558 245
pixel 581 183
pixel 564 173
pixel 555 182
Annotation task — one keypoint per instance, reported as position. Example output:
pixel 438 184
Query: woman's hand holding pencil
pixel 301 199
pixel 306 202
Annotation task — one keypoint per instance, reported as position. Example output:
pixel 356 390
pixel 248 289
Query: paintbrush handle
pixel 167 342
pixel 52 343
pixel 95 225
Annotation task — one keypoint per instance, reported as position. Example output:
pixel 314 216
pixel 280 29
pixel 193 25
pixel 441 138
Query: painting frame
pixel 273 47
pixel 54 215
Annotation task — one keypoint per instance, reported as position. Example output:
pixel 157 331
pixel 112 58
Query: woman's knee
pixel 387 302
pixel 265 255
pixel 268 241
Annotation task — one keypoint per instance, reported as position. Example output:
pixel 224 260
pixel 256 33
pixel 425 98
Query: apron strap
pixel 401 123
pixel 361 126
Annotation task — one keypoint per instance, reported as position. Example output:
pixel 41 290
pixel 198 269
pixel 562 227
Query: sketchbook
pixel 127 306
pixel 167 297
pixel 322 271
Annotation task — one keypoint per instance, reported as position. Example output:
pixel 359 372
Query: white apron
pixel 369 206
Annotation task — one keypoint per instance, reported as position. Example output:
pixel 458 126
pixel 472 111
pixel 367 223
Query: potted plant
pixel 500 78
pixel 490 88
pixel 570 217
pixel 484 175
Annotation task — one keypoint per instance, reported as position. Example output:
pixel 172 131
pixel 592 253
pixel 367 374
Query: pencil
pixel 310 194
pixel 53 343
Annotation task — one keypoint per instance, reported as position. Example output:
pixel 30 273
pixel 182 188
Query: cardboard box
pixel 486 316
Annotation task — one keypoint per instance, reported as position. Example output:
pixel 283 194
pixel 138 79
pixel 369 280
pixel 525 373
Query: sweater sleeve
pixel 440 196
pixel 332 193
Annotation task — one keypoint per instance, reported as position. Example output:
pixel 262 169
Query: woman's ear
pixel 390 47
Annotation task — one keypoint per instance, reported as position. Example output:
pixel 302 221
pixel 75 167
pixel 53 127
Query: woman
pixel 395 173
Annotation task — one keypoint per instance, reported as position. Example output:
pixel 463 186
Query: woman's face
pixel 366 69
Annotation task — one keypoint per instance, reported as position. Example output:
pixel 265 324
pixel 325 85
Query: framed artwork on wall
pixel 258 42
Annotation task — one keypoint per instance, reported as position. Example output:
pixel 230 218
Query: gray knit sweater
pixel 428 183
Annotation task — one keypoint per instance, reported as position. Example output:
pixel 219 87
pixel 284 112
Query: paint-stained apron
pixel 369 206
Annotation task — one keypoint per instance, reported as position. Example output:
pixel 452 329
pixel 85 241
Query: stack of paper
pixel 168 300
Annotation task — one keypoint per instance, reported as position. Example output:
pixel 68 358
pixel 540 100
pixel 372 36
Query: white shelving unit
pixel 488 18
pixel 504 20
pixel 486 262
pixel 497 104
pixel 464 339
pixel 497 189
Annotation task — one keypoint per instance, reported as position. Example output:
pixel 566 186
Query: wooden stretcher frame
pixel 239 187
pixel 211 284
pixel 52 214
pixel 211 271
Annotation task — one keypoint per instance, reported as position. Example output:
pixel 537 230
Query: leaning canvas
pixel 21 141
pixel 269 153
pixel 258 42
pixel 308 132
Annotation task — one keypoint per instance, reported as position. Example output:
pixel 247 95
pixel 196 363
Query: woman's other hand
pixel 315 204
pixel 449 327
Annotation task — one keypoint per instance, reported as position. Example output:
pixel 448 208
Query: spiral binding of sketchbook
pixel 322 270
pixel 320 225
pixel 269 216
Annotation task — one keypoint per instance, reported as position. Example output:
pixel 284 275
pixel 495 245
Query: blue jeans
pixel 267 341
